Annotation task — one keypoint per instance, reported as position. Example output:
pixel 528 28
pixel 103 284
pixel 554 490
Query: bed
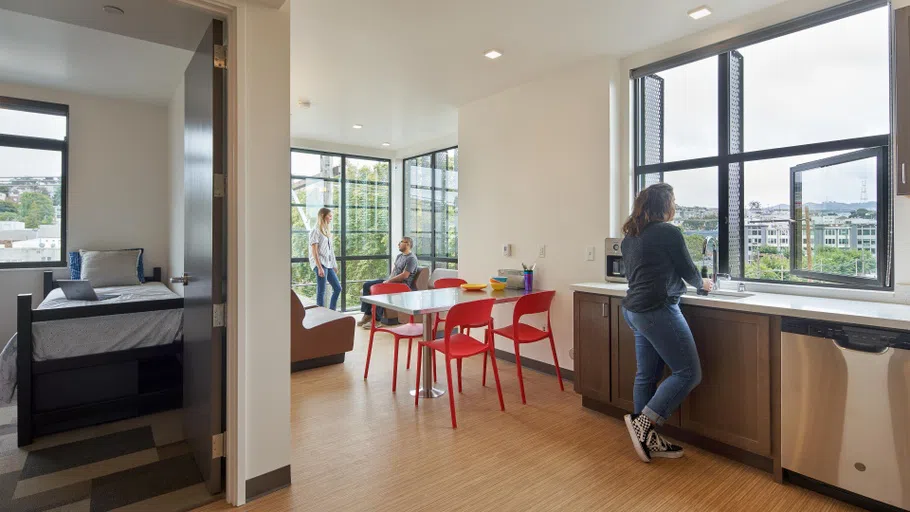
pixel 76 363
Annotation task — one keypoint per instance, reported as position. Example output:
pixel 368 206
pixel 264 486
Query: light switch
pixel 589 254
pixel 542 251
pixel 507 250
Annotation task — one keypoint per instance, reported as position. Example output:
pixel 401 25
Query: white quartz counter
pixel 878 314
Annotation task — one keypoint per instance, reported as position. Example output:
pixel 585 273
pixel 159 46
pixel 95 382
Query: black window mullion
pixel 344 228
pixel 723 170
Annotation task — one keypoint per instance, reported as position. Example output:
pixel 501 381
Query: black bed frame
pixel 63 394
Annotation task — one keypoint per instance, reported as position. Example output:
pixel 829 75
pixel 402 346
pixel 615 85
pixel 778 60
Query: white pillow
pixel 110 268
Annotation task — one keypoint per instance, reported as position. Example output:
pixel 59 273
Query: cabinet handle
pixel 903 174
pixel 603 310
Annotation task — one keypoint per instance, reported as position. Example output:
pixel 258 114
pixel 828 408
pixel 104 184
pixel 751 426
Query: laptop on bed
pixel 81 290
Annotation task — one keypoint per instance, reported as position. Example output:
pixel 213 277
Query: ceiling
pixel 401 68
pixel 74 45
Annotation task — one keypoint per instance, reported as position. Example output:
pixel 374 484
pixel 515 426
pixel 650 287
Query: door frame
pixel 230 12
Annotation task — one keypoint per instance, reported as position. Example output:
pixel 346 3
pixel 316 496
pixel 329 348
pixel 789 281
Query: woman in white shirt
pixel 322 259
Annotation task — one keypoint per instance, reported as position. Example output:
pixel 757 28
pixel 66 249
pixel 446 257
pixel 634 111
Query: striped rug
pixel 140 464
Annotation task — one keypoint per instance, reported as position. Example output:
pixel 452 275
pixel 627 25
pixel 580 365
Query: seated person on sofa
pixel 405 265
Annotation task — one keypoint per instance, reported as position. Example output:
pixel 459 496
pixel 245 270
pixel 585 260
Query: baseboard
pixel 318 362
pixel 534 364
pixel 677 433
pixel 268 483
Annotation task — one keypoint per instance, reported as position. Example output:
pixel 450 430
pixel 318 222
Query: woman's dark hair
pixel 653 204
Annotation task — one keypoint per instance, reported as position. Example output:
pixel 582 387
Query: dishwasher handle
pixel 846 343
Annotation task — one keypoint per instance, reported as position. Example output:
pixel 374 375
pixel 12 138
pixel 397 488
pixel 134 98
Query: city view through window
pixel 32 152
pixel 826 86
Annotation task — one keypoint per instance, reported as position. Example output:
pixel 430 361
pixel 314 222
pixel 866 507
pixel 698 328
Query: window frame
pixel 43 144
pixel 431 257
pixel 727 155
pixel 341 256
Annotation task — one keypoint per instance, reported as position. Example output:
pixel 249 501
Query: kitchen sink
pixel 722 294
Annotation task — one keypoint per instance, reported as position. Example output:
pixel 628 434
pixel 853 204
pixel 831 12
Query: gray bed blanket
pixel 74 337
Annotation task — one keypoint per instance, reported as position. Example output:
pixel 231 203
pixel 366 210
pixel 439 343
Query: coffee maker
pixel 616 270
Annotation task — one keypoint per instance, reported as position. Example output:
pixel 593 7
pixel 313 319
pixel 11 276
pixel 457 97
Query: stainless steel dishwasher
pixel 845 407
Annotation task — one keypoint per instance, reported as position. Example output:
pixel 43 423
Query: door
pixel 592 346
pixel 205 258
pixel 733 402
pixel 902 98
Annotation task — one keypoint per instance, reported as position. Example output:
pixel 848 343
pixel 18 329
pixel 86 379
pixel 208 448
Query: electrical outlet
pixel 542 251
pixel 589 255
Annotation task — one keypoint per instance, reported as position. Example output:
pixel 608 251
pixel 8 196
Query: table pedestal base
pixel 434 392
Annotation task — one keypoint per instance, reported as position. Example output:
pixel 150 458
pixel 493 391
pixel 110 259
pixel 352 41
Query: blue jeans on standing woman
pixel 332 278
pixel 662 336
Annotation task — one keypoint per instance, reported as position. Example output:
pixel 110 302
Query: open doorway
pixel 112 122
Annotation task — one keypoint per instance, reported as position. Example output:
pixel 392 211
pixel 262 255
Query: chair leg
pixel 369 353
pixel 502 405
pixel 410 342
pixel 451 395
pixel 556 363
pixel 419 360
pixel 485 354
pixel 458 364
pixel 521 382
pixel 395 365
pixel 435 378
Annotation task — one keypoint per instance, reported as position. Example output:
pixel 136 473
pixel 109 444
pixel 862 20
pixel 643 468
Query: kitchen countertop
pixel 878 314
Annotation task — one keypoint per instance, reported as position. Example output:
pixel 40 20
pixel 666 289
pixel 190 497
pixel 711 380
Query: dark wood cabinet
pixel 733 402
pixel 902 99
pixel 623 363
pixel 592 346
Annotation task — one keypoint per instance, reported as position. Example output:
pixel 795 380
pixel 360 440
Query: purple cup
pixel 529 281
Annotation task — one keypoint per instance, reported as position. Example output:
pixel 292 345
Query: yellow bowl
pixel 497 286
pixel 473 286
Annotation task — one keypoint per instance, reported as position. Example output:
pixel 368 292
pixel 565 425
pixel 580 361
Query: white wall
pixel 175 117
pixel 776 14
pixel 535 168
pixel 263 241
pixel 118 185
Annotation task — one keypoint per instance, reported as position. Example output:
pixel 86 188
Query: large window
pixel 33 157
pixel 431 207
pixel 358 191
pixel 777 145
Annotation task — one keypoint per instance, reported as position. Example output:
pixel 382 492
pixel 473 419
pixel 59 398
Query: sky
pixel 825 83
pixel 30 162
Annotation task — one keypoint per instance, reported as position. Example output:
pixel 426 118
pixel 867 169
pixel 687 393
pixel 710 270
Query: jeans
pixel 367 309
pixel 332 278
pixel 662 336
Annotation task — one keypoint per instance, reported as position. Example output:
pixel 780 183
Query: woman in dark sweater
pixel 657 262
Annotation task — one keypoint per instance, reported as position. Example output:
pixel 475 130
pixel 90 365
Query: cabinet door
pixel 733 402
pixel 624 366
pixel 902 98
pixel 592 346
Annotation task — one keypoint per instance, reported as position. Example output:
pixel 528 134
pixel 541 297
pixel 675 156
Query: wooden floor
pixel 358 447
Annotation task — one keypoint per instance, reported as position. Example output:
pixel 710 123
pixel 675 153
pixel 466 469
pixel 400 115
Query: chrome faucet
pixel 715 257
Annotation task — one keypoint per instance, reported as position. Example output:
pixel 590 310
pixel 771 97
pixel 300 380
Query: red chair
pixel 446 282
pixel 459 346
pixel 407 331
pixel 519 333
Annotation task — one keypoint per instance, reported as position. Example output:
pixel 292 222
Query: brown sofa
pixel 319 336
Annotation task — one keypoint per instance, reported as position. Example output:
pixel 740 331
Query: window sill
pixel 893 296
pixel 32 269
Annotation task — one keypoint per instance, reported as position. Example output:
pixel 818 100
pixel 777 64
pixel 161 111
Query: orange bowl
pixel 473 287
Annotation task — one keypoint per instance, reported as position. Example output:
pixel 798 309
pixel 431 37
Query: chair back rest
pixel 448 282
pixel 469 314
pixel 387 288
pixel 533 303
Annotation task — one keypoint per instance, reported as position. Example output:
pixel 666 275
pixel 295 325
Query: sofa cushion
pixel 316 316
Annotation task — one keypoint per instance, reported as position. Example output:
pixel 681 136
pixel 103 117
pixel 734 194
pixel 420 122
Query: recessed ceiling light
pixel 493 54
pixel 112 9
pixel 385 144
pixel 699 12
pixel 358 126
